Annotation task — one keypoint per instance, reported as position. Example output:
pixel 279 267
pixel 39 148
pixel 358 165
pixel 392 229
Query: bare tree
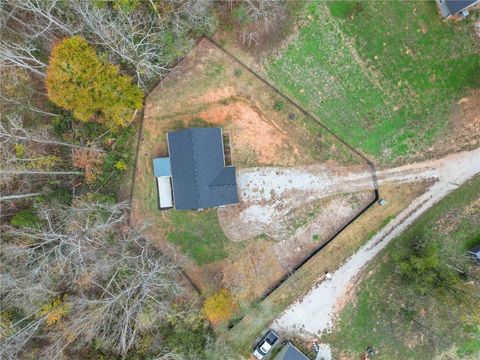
pixel 116 292
pixel 34 172
pixel 15 132
pixel 19 293
pixel 133 294
pixel 169 355
pixel 141 39
pixel 21 196
pixel 66 244
pixel 25 105
pixel 249 37
pixel 23 55
pixel 268 13
pixel 40 19
pixel 29 157
pixel 264 10
pixel 137 39
pixel 17 335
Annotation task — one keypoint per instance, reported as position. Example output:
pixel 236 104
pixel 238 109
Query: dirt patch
pixel 450 221
pixel 250 131
pixel 463 131
pixel 348 297
pixel 465 118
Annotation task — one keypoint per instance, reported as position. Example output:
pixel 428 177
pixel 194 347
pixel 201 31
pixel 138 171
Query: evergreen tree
pixel 79 81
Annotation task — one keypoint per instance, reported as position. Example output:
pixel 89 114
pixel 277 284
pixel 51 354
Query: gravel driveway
pixel 315 313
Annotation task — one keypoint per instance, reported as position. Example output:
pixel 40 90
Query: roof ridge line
pixel 218 186
pixel 195 167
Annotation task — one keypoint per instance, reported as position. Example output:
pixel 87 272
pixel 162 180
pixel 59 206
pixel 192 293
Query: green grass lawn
pixel 387 314
pixel 383 75
pixel 198 234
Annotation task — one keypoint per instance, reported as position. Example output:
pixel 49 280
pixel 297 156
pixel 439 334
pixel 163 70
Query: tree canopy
pixel 79 80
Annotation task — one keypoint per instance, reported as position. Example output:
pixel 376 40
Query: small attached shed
pixel 290 352
pixel 163 173
pixel 456 9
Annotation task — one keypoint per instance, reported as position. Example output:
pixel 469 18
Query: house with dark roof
pixel 456 8
pixel 290 352
pixel 195 175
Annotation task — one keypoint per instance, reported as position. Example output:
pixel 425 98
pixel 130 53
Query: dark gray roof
pixel 200 178
pixel 290 352
pixel 458 5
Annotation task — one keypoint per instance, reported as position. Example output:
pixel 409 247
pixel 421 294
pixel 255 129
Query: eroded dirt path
pixel 314 313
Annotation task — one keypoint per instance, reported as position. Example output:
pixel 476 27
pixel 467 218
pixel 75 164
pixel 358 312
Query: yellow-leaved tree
pixel 219 307
pixel 93 89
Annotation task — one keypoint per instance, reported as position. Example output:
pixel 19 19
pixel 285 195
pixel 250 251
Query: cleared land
pixel 400 325
pixel 211 89
pixel 388 76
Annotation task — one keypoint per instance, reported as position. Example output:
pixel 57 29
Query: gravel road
pixel 315 313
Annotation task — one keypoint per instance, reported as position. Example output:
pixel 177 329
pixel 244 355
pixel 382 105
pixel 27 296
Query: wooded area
pixel 78 281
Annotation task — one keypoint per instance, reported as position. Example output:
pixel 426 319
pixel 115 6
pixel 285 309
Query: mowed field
pixel 265 131
pixel 387 312
pixel 386 75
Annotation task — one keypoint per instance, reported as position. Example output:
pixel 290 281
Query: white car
pixel 264 346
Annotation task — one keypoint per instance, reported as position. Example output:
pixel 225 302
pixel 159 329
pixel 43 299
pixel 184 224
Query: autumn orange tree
pixel 93 89
pixel 219 307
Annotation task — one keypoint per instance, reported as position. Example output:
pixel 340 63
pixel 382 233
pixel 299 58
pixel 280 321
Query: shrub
pixel 121 165
pixel 20 150
pixel 345 9
pixel 188 333
pixel 423 267
pixel 46 162
pixel 127 6
pixel 55 310
pixel 60 196
pixel 90 161
pixel 241 14
pixel 25 219
pixel 219 307
pixel 279 106
pixel 79 81
pixel 62 124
